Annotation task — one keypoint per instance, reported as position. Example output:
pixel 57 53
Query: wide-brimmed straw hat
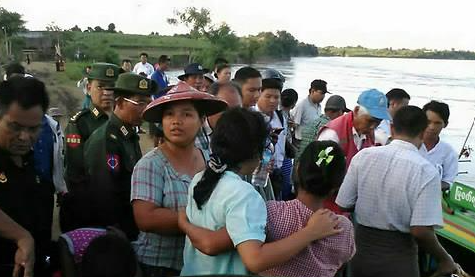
pixel 207 103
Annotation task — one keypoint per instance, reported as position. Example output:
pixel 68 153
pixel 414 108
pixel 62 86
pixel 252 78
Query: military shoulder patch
pixel 113 162
pixel 73 140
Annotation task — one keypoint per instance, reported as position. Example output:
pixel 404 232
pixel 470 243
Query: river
pixel 449 81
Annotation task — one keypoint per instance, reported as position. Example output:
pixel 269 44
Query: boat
pixel 458 206
pixel 458 211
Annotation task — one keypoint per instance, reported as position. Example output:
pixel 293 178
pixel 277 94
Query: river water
pixel 449 81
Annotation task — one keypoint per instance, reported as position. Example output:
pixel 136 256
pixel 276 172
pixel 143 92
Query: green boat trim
pixel 459 216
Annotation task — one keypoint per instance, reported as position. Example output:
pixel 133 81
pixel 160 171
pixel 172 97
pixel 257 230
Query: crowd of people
pixel 243 178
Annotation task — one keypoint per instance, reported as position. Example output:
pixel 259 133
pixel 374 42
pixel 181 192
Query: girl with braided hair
pixel 320 171
pixel 218 199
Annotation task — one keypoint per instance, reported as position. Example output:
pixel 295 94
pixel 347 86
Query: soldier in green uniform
pixel 112 151
pixel 80 127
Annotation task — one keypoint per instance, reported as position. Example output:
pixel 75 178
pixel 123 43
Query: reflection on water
pixel 452 82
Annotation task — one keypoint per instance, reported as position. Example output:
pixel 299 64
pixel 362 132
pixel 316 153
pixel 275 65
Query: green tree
pixel 98 29
pixel 287 43
pixel 11 22
pixel 224 42
pixel 199 21
pixel 75 29
pixel 248 51
pixel 111 28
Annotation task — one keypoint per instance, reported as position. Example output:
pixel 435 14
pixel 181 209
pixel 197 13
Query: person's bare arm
pixel 25 254
pixel 207 241
pixel 258 256
pixel 426 238
pixel 151 218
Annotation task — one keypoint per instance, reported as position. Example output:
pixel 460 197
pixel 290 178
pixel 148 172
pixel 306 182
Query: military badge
pixel 124 131
pixel 95 112
pixel 76 116
pixel 110 72
pixel 73 140
pixel 113 162
pixel 3 178
pixel 143 84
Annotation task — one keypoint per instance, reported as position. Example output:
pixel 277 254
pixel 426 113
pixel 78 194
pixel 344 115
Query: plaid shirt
pixel 203 138
pixel 154 180
pixel 321 258
pixel 310 132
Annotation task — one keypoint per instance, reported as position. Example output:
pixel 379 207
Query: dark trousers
pixel 384 253
pixel 157 271
pixel 277 181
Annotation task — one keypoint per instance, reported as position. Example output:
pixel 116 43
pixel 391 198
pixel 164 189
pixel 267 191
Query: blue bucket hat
pixel 193 69
pixel 376 103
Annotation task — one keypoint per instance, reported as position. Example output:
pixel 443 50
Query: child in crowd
pixel 320 170
pixel 219 198
pixel 109 256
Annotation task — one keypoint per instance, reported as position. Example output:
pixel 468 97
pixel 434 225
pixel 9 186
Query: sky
pixel 436 24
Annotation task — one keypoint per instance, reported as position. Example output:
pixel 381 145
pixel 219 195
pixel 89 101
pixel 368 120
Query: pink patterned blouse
pixel 322 258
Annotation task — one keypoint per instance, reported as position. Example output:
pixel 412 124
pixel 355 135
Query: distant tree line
pixel 224 42
pixel 360 51
pixel 98 29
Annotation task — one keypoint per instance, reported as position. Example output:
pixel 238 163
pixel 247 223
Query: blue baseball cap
pixel 375 102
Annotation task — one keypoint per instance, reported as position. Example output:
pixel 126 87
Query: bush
pixel 75 70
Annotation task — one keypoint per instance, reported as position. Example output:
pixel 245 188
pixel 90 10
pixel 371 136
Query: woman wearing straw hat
pixel 161 178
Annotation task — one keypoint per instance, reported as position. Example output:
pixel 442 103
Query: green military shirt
pixel 79 128
pixel 110 155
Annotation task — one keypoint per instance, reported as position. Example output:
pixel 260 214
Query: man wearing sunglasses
pixel 354 130
pixel 111 153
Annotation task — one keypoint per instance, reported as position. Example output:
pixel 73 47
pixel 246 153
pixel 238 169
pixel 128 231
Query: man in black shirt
pixel 23 102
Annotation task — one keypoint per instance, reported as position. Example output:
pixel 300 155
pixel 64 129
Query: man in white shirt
pixel 436 151
pixel 143 67
pixel 395 194
pixel 267 104
pixel 397 98
pixel 309 109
